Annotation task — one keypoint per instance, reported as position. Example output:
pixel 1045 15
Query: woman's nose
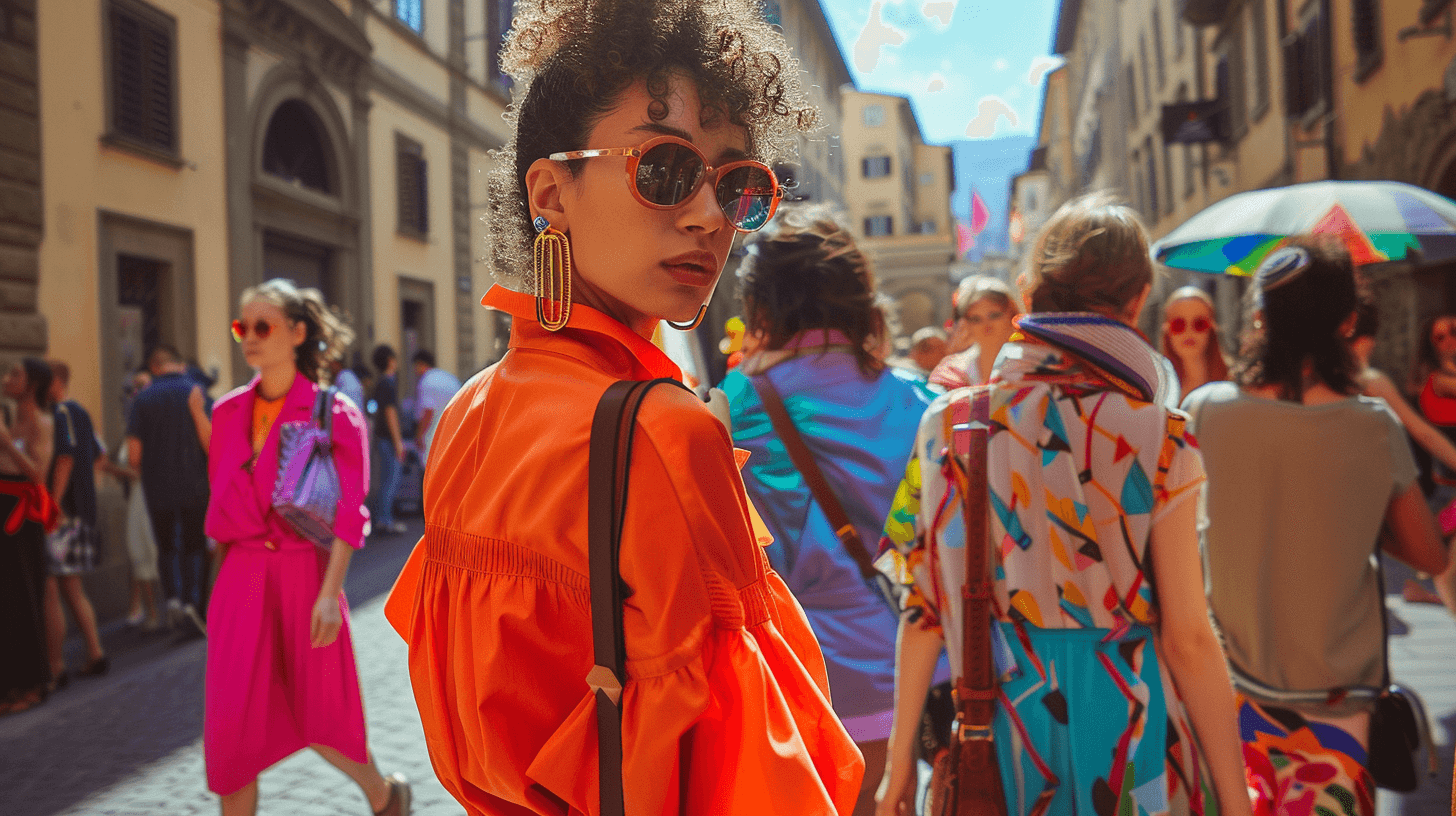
pixel 701 210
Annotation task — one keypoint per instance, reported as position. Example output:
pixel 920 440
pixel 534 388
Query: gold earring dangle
pixel 553 275
pixel 702 313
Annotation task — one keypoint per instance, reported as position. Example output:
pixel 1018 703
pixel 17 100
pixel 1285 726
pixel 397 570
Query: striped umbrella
pixel 1377 220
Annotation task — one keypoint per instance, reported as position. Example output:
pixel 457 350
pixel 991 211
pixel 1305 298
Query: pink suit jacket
pixel 241 508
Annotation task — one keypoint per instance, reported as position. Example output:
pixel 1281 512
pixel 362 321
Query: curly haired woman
pixel 624 104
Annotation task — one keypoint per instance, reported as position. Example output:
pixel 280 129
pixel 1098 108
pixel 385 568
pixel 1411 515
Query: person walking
pixel 982 311
pixel 1113 694
pixel 74 548
pixel 280 658
pixel 1302 474
pixel 388 442
pixel 810 293
pixel 141 541
pixel 27 513
pixel 164 444
pixel 1190 340
pixel 433 390
pixel 348 384
pixel 1375 383
pixel 641 150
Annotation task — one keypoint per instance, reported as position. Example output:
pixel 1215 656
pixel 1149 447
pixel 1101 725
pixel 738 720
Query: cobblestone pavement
pixel 129 744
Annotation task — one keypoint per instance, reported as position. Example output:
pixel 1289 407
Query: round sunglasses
pixel 665 171
pixel 261 328
pixel 1178 325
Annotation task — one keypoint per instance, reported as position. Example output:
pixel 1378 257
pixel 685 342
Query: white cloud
pixel 936 84
pixel 988 112
pixel 1040 67
pixel 874 38
pixel 1000 65
pixel 939 10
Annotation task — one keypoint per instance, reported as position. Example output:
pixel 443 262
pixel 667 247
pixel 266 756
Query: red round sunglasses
pixel 1179 325
pixel 665 171
pixel 261 328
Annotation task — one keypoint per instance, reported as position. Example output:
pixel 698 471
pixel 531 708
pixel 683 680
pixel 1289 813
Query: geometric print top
pixel 1078 474
pixel 1081 465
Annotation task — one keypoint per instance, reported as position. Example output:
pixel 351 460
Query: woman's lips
pixel 693 268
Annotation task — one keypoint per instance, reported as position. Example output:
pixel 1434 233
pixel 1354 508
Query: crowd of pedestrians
pixel 50 508
pixel 1145 570
pixel 1128 679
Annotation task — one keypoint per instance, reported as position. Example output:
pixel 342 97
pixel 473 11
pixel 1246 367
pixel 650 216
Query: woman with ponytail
pixel 644 136
pixel 280 662
pixel 1303 472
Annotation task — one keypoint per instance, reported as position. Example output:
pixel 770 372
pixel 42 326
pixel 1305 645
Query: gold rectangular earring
pixel 553 275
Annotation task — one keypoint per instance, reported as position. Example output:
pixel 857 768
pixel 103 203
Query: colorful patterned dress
pixel 1083 461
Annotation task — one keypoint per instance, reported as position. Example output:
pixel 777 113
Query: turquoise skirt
pixel 1086 715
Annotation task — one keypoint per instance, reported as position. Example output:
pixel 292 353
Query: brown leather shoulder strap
pixel 808 467
pixel 607 469
pixel 976 694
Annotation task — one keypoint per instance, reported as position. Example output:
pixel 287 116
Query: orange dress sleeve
pixel 726 708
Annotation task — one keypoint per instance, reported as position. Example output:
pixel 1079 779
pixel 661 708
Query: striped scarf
pixel 1086 350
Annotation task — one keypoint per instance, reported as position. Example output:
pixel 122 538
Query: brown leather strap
pixel 607 470
pixel 804 461
pixel 976 692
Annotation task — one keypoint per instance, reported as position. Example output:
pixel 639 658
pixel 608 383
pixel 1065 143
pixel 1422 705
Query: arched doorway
pixel 294 151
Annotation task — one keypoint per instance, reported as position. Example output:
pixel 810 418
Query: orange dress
pixel 726 707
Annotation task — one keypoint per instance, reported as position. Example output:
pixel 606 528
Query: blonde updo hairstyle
pixel 326 335
pixel 1092 256
pixel 572 59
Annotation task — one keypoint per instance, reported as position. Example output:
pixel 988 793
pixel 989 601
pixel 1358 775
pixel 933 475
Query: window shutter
pixel 422 197
pixel 1295 102
pixel 411 189
pixel 1367 27
pixel 141 79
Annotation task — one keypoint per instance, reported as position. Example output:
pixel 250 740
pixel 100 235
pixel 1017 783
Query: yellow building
pixel 195 149
pixel 1397 88
pixel 897 191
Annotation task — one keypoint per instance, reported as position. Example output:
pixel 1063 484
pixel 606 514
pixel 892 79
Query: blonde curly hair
pixel 571 60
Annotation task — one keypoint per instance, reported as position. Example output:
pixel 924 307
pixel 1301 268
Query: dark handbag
pixel 1398 728
pixel 306 493
pixel 612 428
pixel 824 495
pixel 966 780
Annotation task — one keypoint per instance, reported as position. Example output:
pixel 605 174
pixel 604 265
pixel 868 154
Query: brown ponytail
pixel 326 336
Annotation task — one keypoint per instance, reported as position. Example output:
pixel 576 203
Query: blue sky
pixel 973 68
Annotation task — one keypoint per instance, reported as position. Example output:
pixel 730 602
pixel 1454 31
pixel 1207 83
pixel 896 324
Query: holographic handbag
pixel 306 493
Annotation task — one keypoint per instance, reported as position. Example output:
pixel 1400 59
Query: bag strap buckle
pixel 603 679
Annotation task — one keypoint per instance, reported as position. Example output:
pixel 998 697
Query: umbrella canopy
pixel 1377 220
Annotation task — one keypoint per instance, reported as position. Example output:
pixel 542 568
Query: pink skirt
pixel 269 692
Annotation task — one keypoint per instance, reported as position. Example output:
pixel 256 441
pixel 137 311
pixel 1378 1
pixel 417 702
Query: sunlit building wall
pixel 897 193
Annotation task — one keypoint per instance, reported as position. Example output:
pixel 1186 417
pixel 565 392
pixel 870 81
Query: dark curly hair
pixel 572 59
pixel 1298 325
pixel 807 273
pixel 327 336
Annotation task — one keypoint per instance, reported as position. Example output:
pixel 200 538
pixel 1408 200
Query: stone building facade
pixel 22 218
